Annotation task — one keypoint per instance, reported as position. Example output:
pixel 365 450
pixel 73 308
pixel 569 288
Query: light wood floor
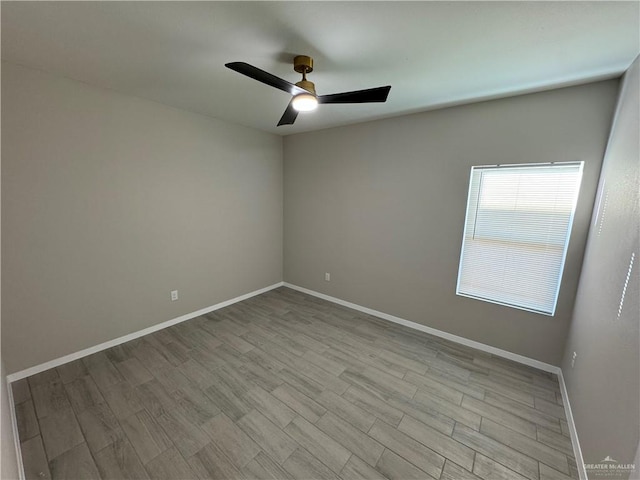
pixel 284 385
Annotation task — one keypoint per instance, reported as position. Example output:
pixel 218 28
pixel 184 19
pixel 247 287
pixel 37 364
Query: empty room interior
pixel 320 240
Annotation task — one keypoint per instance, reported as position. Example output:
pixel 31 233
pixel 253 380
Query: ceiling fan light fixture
pixel 304 102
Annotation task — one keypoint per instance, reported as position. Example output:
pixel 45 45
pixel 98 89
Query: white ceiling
pixel 432 53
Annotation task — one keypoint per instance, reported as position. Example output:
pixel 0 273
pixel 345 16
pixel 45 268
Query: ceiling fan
pixel 304 92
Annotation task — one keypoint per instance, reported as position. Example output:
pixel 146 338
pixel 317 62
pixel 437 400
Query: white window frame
pixel 550 312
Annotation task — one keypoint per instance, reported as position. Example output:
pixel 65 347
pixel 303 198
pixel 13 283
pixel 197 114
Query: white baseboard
pixel 385 316
pixel 132 336
pixel 577 451
pixel 14 427
pixel 433 331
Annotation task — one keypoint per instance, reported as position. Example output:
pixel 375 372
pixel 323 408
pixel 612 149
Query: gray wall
pixel 8 454
pixel 109 202
pixel 381 207
pixel 604 384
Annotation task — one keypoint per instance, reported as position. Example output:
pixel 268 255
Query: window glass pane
pixel 516 233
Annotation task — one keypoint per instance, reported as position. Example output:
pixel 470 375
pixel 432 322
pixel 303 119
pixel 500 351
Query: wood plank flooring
pixel 287 386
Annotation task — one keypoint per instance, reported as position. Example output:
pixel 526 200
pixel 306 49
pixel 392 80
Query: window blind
pixel 516 233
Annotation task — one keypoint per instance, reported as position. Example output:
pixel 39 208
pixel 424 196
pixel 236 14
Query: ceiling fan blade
pixel 370 95
pixel 265 77
pixel 289 116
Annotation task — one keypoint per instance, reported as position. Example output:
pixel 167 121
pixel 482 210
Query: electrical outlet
pixel 174 295
pixel 327 277
pixel 573 359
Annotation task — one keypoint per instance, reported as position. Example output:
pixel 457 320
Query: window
pixel 516 233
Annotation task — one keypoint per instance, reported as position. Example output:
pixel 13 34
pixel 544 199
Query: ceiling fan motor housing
pixel 307 85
